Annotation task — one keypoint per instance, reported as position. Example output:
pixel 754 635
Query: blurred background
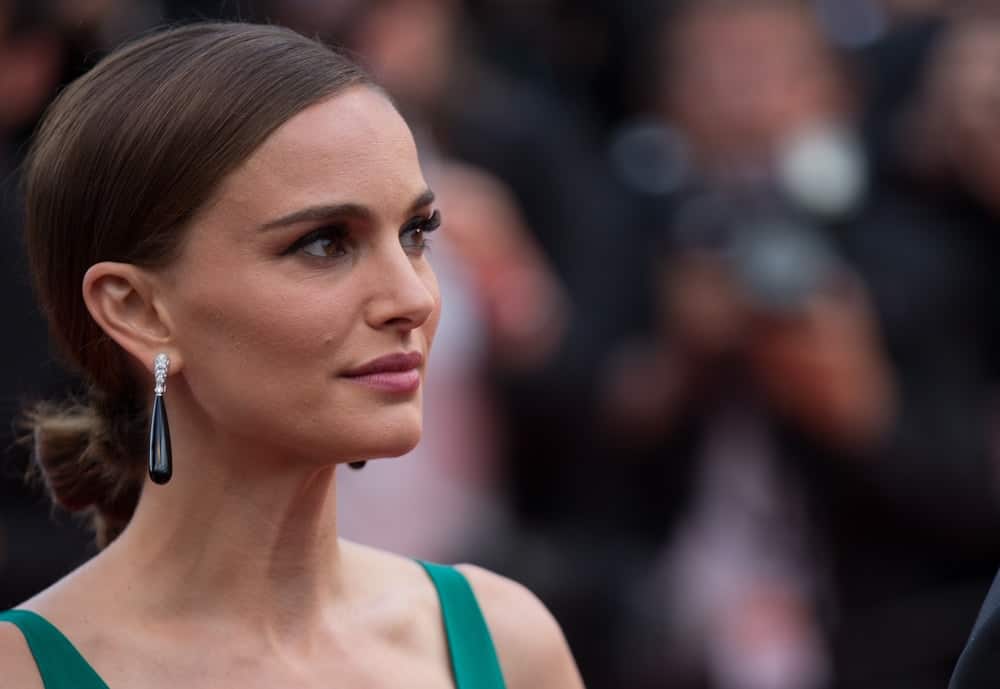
pixel 718 367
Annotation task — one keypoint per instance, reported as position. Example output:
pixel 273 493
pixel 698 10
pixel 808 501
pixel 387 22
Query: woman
pixel 247 217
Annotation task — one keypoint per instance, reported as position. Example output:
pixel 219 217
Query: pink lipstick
pixel 397 373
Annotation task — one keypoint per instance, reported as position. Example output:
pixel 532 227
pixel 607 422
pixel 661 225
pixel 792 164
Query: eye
pixel 414 235
pixel 324 242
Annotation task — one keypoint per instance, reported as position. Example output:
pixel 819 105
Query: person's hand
pixel 825 368
pixel 700 308
pixel 647 383
pixel 525 303
pixel 642 389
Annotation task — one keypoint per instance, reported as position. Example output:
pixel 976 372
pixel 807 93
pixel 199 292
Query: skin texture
pixel 232 574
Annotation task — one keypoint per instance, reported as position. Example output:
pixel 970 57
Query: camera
pixel 776 255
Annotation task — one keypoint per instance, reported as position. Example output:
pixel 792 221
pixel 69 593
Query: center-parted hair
pixel 123 160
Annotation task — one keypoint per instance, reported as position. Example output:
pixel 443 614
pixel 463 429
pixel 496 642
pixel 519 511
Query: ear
pixel 123 299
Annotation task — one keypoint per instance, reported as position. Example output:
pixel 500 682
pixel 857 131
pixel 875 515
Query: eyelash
pixel 422 227
pixel 338 234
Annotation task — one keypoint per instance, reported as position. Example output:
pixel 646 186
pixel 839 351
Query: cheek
pixel 261 352
pixel 430 327
pixel 262 342
pixel 258 318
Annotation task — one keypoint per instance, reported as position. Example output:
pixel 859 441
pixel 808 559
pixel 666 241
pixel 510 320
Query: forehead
pixel 352 147
pixel 756 25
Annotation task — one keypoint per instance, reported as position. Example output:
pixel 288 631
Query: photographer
pixel 824 341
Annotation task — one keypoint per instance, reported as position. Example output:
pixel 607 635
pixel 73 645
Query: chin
pixel 391 439
pixel 400 446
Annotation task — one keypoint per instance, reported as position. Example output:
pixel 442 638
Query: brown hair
pixel 123 159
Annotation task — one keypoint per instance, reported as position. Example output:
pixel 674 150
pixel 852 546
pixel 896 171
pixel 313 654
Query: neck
pixel 252 540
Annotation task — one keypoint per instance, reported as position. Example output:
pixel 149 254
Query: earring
pixel 160 463
pixel 357 465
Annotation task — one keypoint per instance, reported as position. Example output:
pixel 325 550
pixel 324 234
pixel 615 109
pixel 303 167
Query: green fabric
pixel 59 663
pixel 473 657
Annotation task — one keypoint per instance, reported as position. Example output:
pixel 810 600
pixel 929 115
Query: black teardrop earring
pixel 357 465
pixel 161 466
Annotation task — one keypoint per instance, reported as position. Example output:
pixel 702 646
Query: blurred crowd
pixel 718 363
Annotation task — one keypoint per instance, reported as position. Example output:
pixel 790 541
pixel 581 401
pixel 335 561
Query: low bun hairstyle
pixel 123 160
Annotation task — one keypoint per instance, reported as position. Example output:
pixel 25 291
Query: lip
pixel 392 373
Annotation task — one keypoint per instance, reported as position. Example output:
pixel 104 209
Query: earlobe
pixel 121 298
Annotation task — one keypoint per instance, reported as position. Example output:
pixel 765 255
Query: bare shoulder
pixel 17 668
pixel 532 649
pixel 379 570
pixel 405 598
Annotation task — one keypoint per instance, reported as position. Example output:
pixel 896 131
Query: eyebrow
pixel 327 211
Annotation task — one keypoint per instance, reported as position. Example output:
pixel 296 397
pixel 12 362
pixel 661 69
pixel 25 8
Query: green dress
pixel 473 658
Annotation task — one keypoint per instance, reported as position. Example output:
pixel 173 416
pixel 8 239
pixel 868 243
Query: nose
pixel 404 295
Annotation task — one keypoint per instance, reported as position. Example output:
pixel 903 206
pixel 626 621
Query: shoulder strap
pixel 473 658
pixel 59 663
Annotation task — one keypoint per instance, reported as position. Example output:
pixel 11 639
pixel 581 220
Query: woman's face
pixel 309 264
